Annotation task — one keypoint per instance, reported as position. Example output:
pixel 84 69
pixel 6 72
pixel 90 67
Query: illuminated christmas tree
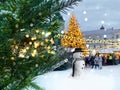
pixel 74 38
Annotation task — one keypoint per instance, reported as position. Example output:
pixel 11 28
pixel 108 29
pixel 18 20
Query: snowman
pixel 78 63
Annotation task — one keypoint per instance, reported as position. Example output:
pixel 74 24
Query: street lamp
pixel 93 52
pixel 62 32
pixel 105 37
pixel 87 45
pixel 88 49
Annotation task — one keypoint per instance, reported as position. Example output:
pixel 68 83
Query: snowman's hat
pixel 78 50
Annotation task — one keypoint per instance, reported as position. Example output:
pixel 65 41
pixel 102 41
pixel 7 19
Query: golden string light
pixel 32 44
pixel 112 42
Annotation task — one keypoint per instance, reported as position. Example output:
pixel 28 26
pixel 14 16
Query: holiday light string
pixel 109 41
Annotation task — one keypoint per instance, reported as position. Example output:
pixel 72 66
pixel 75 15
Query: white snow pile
pixel 91 79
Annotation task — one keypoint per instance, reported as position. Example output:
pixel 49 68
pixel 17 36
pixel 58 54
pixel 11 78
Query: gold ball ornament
pixel 12 58
pixel 46 40
pixel 52 52
pixel 33 38
pixel 27 35
pixel 37 31
pixel 42 56
pixel 48 47
pixel 16 25
pixel 27 47
pixel 43 33
pixel 49 51
pixel 16 47
pixel 41 43
pixel 36 65
pixel 30 43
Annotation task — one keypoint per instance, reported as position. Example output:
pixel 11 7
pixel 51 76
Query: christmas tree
pixel 27 46
pixel 74 38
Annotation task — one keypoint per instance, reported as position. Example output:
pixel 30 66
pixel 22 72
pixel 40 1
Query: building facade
pixel 102 38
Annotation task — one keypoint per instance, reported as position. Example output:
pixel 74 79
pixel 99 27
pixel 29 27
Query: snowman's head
pixel 78 55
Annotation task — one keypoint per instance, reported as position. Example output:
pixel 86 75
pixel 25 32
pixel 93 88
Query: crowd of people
pixel 98 60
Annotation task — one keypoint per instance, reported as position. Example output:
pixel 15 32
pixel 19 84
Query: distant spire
pixel 102 27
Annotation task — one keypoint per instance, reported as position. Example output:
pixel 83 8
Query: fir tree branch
pixel 64 6
pixel 35 86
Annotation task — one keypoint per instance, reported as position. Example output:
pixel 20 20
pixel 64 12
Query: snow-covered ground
pixel 92 79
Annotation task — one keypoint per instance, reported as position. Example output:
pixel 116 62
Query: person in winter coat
pixel 110 59
pixel 78 63
pixel 92 63
pixel 98 61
